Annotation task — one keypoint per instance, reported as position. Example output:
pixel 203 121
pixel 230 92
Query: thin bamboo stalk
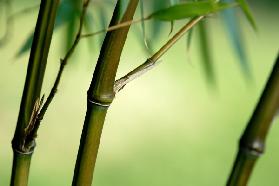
pixel 29 103
pixel 252 142
pixel 99 97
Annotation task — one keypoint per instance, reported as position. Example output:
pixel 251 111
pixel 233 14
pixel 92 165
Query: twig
pixel 153 61
pixel 115 27
pixel 63 62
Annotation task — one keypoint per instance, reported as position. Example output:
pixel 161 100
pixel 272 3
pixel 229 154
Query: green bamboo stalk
pixel 252 142
pixel 29 106
pixel 99 97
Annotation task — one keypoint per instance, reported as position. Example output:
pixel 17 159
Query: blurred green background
pixel 166 128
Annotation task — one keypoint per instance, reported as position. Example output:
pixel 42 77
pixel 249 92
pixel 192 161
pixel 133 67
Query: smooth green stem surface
pixel 21 164
pixel 89 144
pixel 100 95
pixel 252 142
pixel 243 165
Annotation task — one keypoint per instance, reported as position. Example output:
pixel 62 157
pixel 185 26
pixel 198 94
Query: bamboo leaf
pixel 145 40
pixel 190 9
pixel 155 27
pixel 234 33
pixel 88 27
pixel 103 22
pixel 189 40
pixel 64 15
pixel 172 2
pixel 26 45
pixel 205 52
pixel 122 7
pixel 245 8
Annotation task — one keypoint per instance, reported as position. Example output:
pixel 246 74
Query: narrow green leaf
pixel 155 26
pixel 172 2
pixel 205 52
pixel 189 40
pixel 26 45
pixel 248 13
pixel 234 33
pixel 66 14
pixel 102 15
pixel 88 27
pixel 122 7
pixel 190 9
pixel 145 40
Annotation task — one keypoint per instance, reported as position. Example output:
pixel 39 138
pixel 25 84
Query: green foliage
pixel 191 9
pixel 244 6
pixel 206 52
pixel 234 35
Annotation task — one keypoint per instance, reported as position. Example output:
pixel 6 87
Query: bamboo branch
pixel 152 61
pixel 115 27
pixel 63 62
pixel 23 148
pixel 252 142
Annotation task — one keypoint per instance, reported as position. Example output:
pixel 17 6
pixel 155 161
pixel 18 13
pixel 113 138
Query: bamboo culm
pixel 252 142
pixel 100 95
pixel 22 146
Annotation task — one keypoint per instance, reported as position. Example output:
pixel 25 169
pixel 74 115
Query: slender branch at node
pixel 153 61
pixel 115 27
pixel 143 68
pixel 63 62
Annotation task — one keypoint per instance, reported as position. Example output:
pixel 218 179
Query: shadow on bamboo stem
pixel 252 142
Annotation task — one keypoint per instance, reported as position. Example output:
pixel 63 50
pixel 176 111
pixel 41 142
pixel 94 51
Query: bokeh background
pixel 166 128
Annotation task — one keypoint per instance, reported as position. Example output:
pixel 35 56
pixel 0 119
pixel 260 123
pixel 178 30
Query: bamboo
pixel 99 97
pixel 23 148
pixel 252 142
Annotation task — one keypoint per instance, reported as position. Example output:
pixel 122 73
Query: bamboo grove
pixel 104 85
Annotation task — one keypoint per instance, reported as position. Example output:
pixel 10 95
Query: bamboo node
pixel 24 149
pixel 255 148
pixel 23 153
pixel 98 103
